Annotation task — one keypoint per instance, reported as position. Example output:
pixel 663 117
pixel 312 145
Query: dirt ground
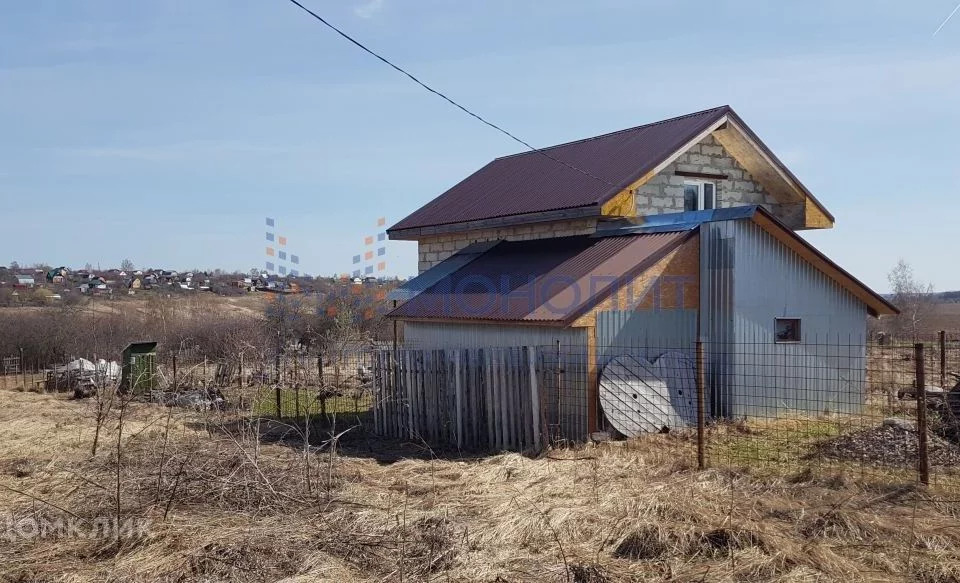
pixel 214 498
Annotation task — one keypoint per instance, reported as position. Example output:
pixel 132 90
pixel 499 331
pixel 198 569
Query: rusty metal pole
pixel 923 465
pixel 943 358
pixel 701 413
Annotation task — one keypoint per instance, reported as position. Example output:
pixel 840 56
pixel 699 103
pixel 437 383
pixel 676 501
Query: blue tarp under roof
pixel 417 285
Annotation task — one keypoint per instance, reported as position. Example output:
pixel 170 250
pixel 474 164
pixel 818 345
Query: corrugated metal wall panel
pixel 644 333
pixel 431 335
pixel 749 279
pixel 824 372
pixel 717 262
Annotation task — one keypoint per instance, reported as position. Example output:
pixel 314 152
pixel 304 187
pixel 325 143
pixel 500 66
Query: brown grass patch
pixel 222 505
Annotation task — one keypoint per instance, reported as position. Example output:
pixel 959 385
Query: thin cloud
pixel 946 20
pixel 370 9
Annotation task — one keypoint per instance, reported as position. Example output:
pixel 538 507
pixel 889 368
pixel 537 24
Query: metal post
pixel 276 362
pixel 923 465
pixel 276 374
pixel 943 358
pixel 701 414
pixel 394 329
pixel 559 416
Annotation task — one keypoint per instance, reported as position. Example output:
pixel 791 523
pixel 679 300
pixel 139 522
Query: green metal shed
pixel 139 372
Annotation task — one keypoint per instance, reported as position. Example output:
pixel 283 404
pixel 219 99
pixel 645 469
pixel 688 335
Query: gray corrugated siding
pixel 430 335
pixel 716 309
pixel 644 333
pixel 748 278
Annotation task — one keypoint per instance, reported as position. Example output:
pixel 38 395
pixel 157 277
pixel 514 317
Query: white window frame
pixel 700 193
pixel 799 330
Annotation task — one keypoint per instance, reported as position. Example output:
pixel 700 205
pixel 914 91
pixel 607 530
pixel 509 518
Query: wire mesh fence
pixel 884 411
pixel 886 408
pixel 296 385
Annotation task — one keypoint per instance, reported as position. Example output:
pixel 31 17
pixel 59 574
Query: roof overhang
pixel 416 233
pixel 588 276
pixel 744 145
pixel 876 304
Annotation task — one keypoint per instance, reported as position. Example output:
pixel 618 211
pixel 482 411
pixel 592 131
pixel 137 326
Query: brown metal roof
pixel 532 182
pixel 539 281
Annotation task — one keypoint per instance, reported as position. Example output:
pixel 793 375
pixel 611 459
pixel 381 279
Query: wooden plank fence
pixel 480 399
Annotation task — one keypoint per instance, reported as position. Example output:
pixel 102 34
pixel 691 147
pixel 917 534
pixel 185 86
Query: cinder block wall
pixel 664 192
pixel 433 250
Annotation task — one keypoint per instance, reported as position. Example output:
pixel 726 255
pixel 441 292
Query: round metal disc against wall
pixel 638 396
pixel 679 372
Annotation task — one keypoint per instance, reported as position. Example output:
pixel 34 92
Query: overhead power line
pixel 442 96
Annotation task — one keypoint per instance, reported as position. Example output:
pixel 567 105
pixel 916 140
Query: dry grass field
pixel 215 499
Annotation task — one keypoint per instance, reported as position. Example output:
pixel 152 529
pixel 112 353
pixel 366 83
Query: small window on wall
pixel 787 329
pixel 699 196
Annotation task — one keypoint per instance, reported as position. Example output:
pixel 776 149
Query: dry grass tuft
pixel 221 504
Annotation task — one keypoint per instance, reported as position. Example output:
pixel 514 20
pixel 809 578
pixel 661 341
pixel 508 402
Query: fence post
pixel 701 416
pixel 923 465
pixel 943 358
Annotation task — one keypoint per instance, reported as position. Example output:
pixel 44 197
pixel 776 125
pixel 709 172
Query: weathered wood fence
pixel 489 398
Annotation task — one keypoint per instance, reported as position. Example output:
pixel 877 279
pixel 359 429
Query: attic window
pixel 699 195
pixel 787 329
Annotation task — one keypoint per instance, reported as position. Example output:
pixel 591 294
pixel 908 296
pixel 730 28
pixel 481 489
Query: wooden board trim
pixel 706 175
pixel 822 217
pixel 621 205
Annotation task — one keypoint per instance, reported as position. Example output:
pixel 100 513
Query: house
pixel 25 281
pixel 633 245
pixel 58 275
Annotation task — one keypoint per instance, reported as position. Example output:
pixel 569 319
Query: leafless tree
pixel 343 339
pixel 915 300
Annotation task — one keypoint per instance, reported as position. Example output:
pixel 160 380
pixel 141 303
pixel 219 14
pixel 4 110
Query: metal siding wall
pixel 644 333
pixel 824 372
pixel 717 262
pixel 430 335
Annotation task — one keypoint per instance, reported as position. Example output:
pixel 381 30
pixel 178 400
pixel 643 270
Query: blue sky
pixel 166 131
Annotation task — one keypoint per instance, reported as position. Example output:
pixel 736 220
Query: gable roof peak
pixel 717 111
pixel 575 179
